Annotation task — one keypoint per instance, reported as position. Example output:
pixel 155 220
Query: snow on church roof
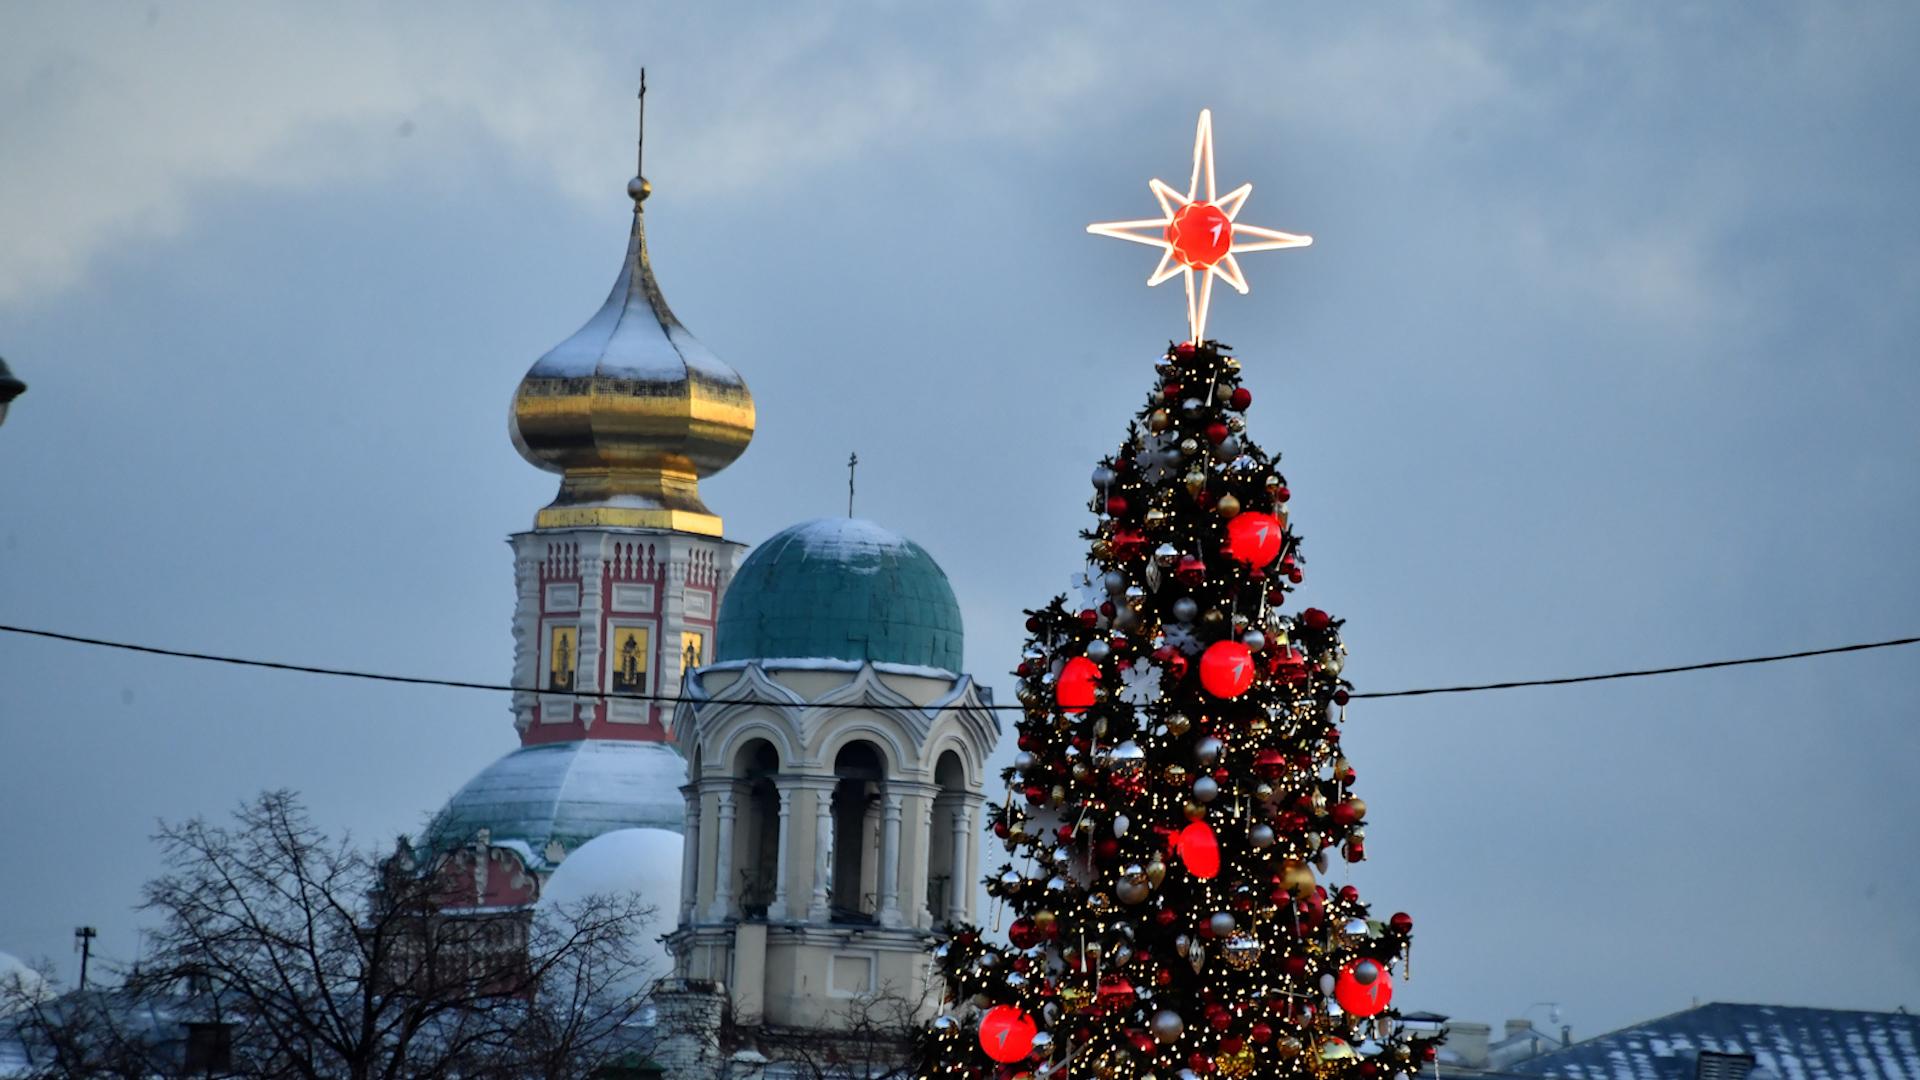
pixel 841 589
pixel 570 792
pixel 1791 1043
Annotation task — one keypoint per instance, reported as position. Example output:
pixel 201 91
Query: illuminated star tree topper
pixel 1198 235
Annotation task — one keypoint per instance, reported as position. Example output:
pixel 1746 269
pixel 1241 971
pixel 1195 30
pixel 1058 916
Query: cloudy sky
pixel 1602 358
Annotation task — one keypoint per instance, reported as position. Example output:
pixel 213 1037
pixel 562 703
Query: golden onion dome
pixel 632 410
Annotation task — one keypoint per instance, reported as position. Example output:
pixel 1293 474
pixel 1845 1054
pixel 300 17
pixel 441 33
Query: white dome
pixel 625 861
pixel 19 984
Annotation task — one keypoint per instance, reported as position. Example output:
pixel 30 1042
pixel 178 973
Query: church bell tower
pixel 620 578
pixel 618 587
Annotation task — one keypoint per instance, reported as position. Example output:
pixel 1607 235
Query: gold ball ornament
pixel 1196 480
pixel 1044 920
pixel 1333 1051
pixel 1155 517
pixel 1228 506
pixel 1178 724
pixel 1195 811
pixel 1297 878
pixel 1102 549
pixel 1176 775
pixel 1159 420
pixel 1234 1064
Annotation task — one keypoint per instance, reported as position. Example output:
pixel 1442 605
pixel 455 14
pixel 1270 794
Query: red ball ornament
pixel 1217 433
pixel 1254 538
pixel 1184 350
pixel 1226 669
pixel 1075 689
pixel 1289 664
pixel 1116 506
pixel 1006 1034
pixel 1024 933
pixel 1341 697
pixel 1127 544
pixel 1282 495
pixel 1200 234
pixel 1402 923
pixel 1191 570
pixel 1199 850
pixel 1349 894
pixel 1364 987
pixel 1240 398
pixel 1315 619
pixel 1262 1032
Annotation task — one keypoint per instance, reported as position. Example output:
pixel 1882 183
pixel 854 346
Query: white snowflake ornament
pixel 1154 459
pixel 1181 637
pixel 1089 587
pixel 1140 682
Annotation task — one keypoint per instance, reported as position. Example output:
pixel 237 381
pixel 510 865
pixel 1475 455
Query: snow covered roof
pixel 1789 1042
pixel 570 792
pixel 841 589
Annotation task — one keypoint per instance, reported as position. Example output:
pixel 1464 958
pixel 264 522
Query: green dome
pixel 842 589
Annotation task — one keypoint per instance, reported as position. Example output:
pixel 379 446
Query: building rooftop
pixel 841 589
pixel 1723 1041
pixel 570 792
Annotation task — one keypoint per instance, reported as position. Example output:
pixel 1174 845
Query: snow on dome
pixel 642 861
pixel 570 792
pixel 845 589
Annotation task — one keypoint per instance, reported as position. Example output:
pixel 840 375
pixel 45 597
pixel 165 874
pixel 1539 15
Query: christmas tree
pixel 1180 789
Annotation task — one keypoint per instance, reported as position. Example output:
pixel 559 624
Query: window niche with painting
pixel 631 650
pixel 563 656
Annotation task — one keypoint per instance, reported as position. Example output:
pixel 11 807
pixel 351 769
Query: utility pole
pixel 83 939
pixel 853 461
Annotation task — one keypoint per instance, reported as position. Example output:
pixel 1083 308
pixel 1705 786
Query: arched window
pixel 853 888
pixel 949 891
pixel 757 851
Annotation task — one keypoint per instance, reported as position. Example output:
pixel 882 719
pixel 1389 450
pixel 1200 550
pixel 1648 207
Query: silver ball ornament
pixel 1207 751
pixel 1205 789
pixel 1168 1027
pixel 1221 924
pixel 1185 609
pixel 1098 651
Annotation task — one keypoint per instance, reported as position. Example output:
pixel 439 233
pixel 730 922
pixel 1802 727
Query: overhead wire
pixel 605 695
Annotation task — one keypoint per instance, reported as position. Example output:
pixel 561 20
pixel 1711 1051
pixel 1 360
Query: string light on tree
pixel 1198 234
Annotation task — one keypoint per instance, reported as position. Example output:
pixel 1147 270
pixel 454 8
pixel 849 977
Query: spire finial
pixel 853 462
pixel 638 189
